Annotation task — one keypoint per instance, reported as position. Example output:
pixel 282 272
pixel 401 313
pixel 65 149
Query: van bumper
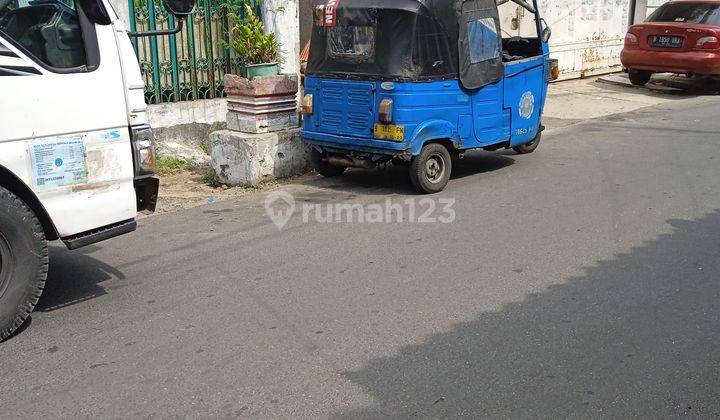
pixel 146 193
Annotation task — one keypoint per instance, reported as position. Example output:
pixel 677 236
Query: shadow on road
pixel 395 179
pixel 74 277
pixel 638 335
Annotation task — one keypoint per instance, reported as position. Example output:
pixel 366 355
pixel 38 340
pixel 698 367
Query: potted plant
pixel 259 52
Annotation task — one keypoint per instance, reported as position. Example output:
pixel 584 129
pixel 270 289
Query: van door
pixel 64 129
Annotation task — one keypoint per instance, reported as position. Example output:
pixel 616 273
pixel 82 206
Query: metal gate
pixel 190 65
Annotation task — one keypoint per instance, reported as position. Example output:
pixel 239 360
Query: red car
pixel 680 37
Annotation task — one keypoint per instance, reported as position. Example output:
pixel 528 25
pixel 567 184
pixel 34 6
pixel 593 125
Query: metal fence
pixel 190 65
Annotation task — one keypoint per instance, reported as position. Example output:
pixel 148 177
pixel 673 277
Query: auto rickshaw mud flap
pixel 479 43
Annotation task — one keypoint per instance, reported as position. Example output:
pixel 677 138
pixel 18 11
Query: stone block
pixel 262 123
pixel 248 159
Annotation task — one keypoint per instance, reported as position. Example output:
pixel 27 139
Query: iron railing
pixel 190 65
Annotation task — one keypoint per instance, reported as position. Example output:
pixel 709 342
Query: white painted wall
pixel 281 17
pixel 588 35
pixel 205 111
pixel 122 9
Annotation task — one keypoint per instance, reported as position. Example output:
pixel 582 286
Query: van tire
pixel 530 147
pixel 23 262
pixel 324 168
pixel 430 170
pixel 639 77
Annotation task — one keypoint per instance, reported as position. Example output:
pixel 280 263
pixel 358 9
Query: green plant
pixel 170 165
pixel 250 43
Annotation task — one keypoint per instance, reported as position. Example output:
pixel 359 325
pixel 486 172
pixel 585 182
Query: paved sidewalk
pixel 573 101
pixel 668 83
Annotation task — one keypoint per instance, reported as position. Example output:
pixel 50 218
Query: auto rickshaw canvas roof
pixel 442 11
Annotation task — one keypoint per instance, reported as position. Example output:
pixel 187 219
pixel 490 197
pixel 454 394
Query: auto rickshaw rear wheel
pixel 530 147
pixel 323 167
pixel 430 170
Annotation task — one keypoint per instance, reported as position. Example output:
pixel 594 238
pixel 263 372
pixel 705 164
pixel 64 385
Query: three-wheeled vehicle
pixel 418 82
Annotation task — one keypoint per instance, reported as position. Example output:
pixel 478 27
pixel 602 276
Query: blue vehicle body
pixel 416 81
pixel 505 113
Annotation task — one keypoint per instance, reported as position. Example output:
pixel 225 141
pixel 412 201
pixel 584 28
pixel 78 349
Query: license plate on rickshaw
pixel 389 132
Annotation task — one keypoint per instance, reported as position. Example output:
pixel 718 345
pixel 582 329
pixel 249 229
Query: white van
pixel 77 161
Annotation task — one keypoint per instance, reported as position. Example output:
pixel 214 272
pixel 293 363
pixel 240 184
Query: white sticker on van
pixel 58 162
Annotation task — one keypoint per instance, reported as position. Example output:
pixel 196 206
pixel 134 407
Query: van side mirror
pixel 180 8
pixel 546 32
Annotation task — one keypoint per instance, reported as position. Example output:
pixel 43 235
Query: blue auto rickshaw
pixel 418 82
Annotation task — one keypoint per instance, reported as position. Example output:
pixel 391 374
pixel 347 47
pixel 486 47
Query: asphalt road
pixel 579 281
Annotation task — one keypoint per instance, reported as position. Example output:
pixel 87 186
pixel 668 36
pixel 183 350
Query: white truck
pixel 77 161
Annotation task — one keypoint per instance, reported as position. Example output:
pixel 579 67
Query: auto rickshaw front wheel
pixel 430 170
pixel 323 167
pixel 530 147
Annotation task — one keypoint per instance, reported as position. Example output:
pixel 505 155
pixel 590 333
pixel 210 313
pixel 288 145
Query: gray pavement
pixel 580 281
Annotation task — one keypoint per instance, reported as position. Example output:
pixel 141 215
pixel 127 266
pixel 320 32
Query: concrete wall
pixel 281 17
pixel 588 35
pixel 306 21
pixel 183 128
pixel 122 9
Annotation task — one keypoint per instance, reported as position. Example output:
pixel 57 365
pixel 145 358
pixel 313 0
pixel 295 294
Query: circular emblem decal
pixel 527 105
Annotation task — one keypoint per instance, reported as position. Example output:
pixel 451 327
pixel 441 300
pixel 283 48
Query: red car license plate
pixel 666 41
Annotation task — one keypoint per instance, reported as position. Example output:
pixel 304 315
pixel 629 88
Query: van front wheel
pixel 430 170
pixel 23 262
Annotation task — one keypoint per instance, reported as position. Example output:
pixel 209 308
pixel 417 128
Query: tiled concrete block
pixel 262 104
pixel 262 123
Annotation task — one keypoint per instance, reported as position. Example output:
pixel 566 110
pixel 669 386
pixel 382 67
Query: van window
pixel 483 40
pixel 47 30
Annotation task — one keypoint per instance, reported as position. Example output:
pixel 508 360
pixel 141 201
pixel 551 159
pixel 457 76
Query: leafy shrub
pixel 250 43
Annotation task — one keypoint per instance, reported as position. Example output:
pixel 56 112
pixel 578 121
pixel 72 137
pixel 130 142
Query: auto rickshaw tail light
pixel 307 104
pixel 553 69
pixel 386 111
